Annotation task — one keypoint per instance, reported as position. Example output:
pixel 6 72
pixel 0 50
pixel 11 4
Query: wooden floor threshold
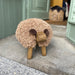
pixel 57 22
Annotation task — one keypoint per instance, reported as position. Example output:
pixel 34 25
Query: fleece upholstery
pixel 28 40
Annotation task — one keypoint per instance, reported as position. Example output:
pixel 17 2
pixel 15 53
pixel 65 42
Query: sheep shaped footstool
pixel 34 31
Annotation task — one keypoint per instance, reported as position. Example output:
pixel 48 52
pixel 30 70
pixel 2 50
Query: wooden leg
pixel 43 51
pixel 29 56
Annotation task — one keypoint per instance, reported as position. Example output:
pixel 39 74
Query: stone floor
pixel 59 31
pixel 60 55
pixel 59 60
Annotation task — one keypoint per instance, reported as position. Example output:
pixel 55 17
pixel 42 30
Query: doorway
pixel 36 9
pixel 65 4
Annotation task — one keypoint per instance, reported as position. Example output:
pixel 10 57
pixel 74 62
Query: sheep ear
pixel 33 32
pixel 46 32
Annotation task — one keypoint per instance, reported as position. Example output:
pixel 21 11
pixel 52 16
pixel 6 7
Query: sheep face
pixel 40 36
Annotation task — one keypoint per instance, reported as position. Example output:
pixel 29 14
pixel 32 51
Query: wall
pixel 10 16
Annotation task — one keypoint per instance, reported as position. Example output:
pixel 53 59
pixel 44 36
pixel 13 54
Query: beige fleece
pixel 28 40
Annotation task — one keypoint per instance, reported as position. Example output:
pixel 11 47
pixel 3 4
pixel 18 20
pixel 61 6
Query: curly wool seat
pixel 28 40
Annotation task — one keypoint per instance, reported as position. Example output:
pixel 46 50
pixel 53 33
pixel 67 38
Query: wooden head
pixel 40 36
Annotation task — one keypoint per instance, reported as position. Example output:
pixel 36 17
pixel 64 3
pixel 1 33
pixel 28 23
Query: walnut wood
pixel 57 22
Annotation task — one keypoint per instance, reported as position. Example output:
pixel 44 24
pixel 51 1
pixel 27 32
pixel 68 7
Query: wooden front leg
pixel 30 50
pixel 43 51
